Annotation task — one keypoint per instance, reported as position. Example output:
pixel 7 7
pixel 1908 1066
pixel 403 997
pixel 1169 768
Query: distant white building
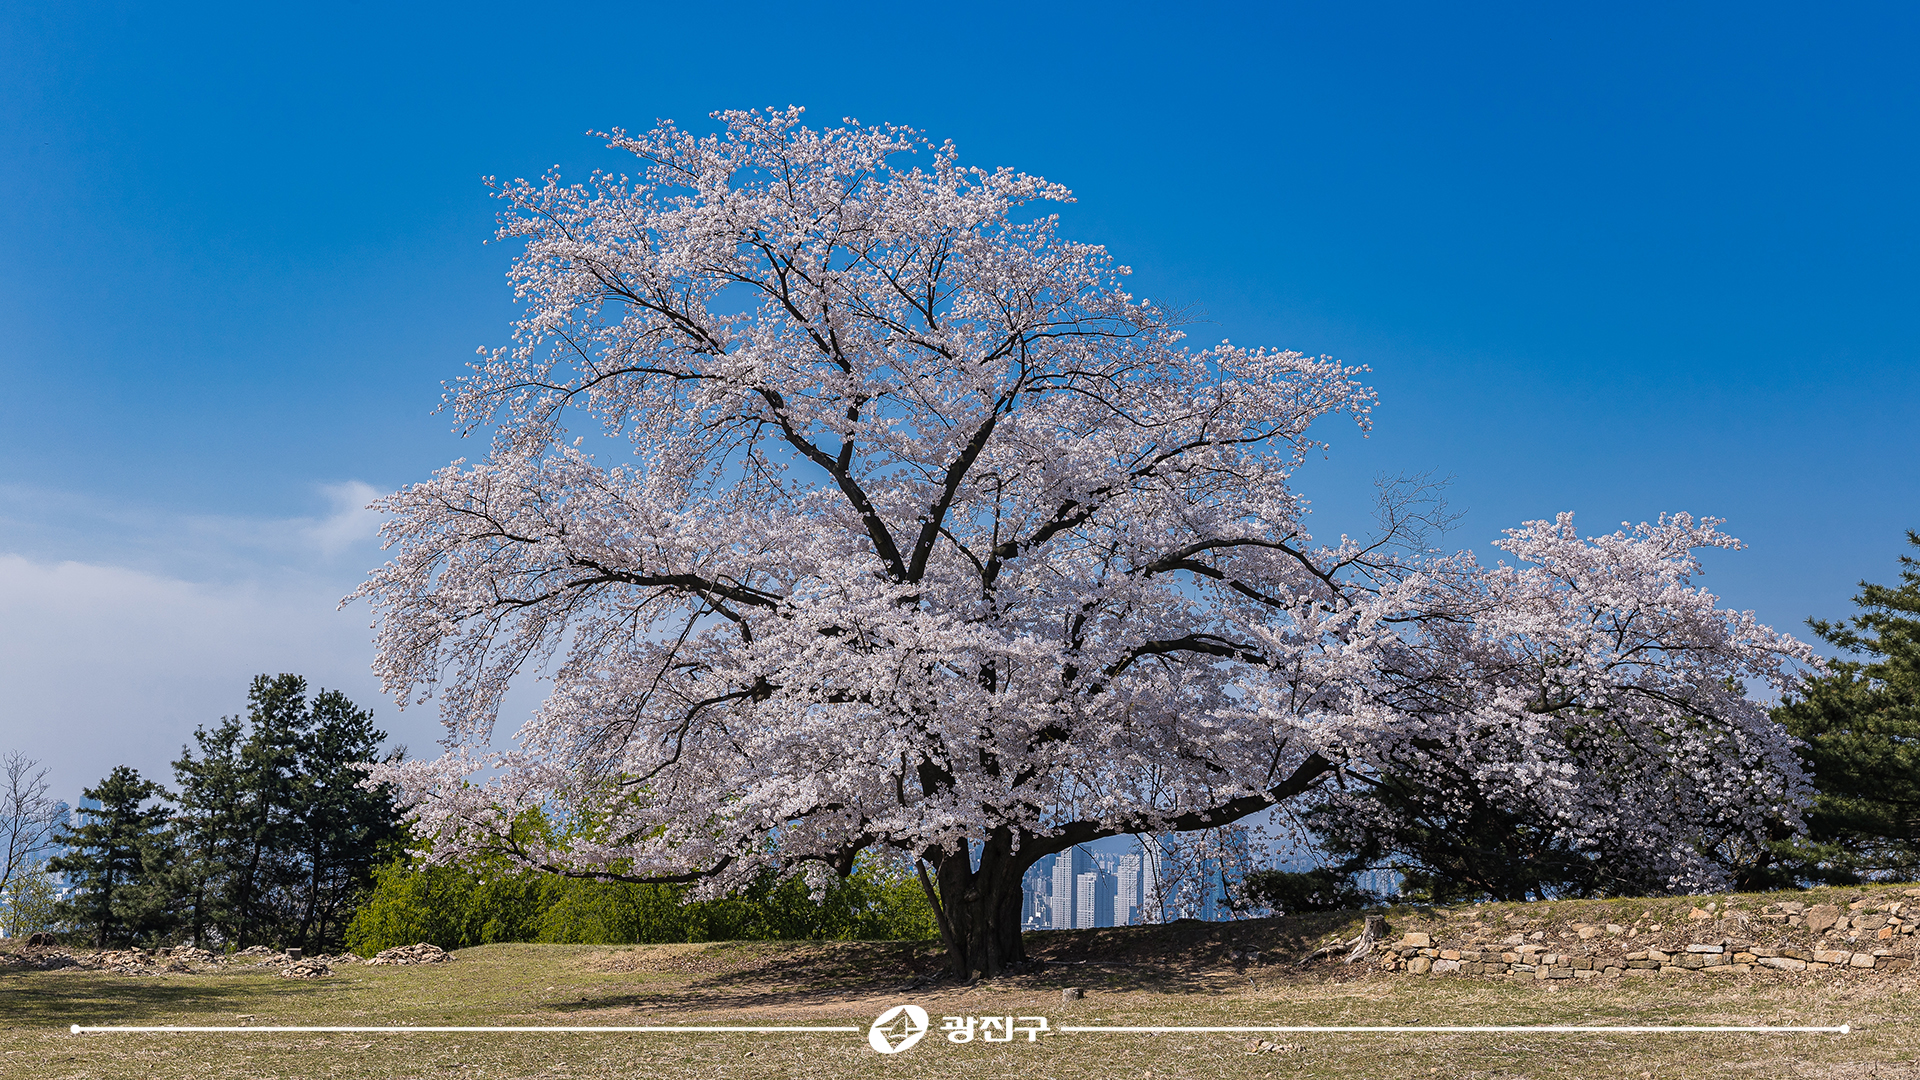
pixel 1126 897
pixel 1067 868
pixel 1094 895
pixel 1126 892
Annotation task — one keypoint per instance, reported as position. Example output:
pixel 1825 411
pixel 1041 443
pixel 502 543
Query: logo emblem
pixel 897 1029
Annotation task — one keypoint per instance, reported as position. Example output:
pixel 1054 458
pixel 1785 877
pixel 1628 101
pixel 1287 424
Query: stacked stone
pixel 176 961
pixel 1876 934
pixel 1419 957
pixel 124 959
pixel 50 960
pixel 1881 922
pixel 1729 957
pixel 421 953
pixel 261 956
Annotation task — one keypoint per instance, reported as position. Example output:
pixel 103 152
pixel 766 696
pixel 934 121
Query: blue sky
pixel 1617 261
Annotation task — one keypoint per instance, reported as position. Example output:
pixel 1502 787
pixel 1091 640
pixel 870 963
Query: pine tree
pixel 107 861
pixel 213 817
pixel 342 830
pixel 280 839
pixel 232 818
pixel 1861 726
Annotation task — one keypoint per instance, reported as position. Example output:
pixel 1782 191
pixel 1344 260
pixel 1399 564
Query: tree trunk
pixel 978 911
pixel 313 903
pixel 106 902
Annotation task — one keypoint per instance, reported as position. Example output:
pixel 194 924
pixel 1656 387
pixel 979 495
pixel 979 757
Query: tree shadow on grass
pixel 60 999
pixel 1188 957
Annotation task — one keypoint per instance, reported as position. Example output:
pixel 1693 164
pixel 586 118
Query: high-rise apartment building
pixel 1126 898
pixel 1067 868
pixel 1093 892
pixel 1075 889
pixel 1127 892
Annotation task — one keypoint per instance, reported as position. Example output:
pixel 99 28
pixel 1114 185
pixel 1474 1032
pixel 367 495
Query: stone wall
pixel 1787 936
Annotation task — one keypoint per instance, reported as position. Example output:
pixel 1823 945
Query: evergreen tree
pixel 215 817
pixel 1861 727
pixel 266 864
pixel 1450 840
pixel 281 838
pixel 150 902
pixel 107 860
pixel 232 819
pixel 341 829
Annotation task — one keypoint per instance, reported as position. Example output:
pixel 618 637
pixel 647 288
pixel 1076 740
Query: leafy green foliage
pixel 31 901
pixel 458 906
pixel 1435 820
pixel 1288 892
pixel 1452 841
pixel 1861 726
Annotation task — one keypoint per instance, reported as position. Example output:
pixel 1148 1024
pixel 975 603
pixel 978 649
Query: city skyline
pixel 1084 889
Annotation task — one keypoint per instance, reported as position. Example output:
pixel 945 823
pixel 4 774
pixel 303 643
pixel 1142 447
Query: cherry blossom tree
pixel 1592 731
pixel 918 534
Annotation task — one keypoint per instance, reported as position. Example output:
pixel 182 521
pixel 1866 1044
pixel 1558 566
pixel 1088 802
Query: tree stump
pixel 1372 929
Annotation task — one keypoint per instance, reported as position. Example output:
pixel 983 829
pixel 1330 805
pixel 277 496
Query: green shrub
pixel 1314 890
pixel 456 907
pixel 31 903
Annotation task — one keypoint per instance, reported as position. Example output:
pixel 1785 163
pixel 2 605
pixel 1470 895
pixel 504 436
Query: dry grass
pixel 1185 974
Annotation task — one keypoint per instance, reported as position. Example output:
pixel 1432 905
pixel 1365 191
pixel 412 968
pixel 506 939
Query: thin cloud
pixel 351 523
pixel 125 628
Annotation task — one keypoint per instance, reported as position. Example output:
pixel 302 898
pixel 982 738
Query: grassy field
pixel 1152 976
